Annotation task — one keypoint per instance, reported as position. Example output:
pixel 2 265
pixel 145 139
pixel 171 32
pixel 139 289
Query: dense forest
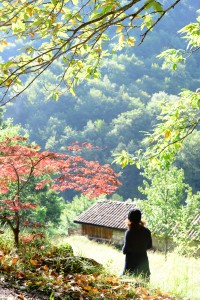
pixel 114 111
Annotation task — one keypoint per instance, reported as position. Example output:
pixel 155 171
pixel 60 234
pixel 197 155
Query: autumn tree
pixel 76 33
pixel 20 162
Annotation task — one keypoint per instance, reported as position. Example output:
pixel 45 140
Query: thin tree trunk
pixel 16 237
pixel 15 230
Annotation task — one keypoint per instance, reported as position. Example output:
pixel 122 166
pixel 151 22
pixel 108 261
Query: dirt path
pixel 7 293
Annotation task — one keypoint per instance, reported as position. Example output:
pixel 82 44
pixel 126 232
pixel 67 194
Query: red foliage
pixel 20 162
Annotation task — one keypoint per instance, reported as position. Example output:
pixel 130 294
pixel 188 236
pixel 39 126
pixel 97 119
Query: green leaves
pixel 18 27
pixel 147 22
pixel 172 58
pixel 123 159
pixel 192 34
pixel 57 29
pixel 54 2
pixel 157 6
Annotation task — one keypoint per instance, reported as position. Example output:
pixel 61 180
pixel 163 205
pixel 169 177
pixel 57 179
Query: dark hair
pixel 134 218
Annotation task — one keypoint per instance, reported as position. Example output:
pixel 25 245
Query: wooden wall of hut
pixel 97 232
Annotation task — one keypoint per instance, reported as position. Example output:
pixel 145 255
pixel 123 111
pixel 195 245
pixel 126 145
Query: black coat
pixel 136 242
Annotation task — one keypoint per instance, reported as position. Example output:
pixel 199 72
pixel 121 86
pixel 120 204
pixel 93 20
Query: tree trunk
pixel 16 237
pixel 15 230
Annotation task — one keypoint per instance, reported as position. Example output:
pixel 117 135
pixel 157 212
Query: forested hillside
pixel 113 112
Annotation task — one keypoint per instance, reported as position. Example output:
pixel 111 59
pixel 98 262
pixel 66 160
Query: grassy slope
pixel 177 275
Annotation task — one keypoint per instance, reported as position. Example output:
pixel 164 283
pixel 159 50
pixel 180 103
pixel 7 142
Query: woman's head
pixel 134 218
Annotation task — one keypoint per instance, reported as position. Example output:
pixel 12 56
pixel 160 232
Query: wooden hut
pixel 105 221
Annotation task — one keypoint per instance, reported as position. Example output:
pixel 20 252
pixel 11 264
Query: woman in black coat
pixel 137 241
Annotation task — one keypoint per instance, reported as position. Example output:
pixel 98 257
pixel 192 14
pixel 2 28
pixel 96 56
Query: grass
pixel 176 275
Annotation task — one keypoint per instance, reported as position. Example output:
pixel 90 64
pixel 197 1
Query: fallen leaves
pixel 32 273
pixel 144 294
pixel 20 297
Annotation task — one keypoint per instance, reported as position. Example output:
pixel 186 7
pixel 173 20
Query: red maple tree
pixel 20 162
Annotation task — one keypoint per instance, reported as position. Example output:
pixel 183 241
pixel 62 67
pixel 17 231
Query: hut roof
pixel 106 213
pixel 194 234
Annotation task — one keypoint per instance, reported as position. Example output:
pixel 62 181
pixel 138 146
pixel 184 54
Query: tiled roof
pixel 194 234
pixel 107 213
